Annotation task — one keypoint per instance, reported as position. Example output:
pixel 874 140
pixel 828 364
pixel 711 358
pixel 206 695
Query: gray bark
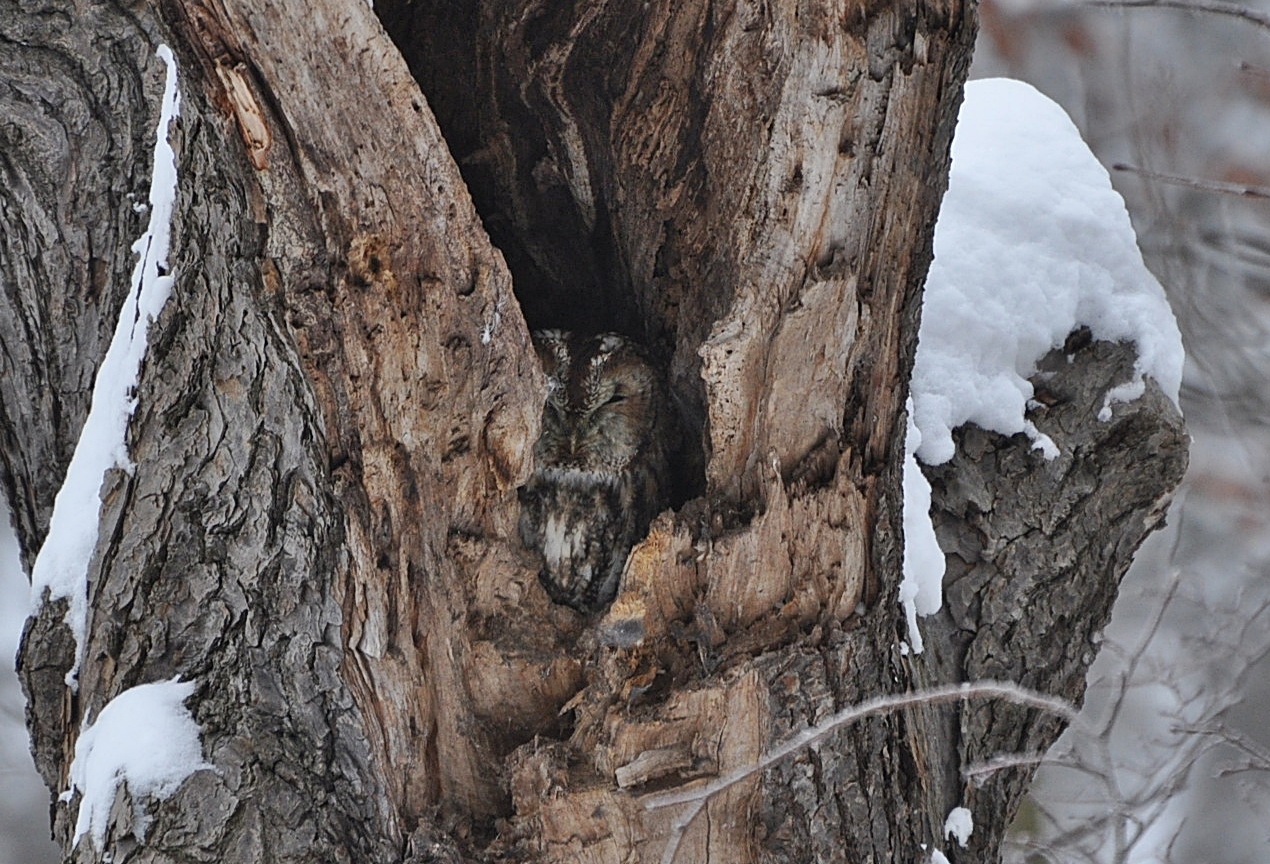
pixel 1035 551
pixel 340 399
pixel 217 557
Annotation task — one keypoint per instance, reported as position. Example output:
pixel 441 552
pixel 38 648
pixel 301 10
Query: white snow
pixel 937 857
pixel 61 567
pixel 921 591
pixel 1126 392
pixel 959 825
pixel 144 737
pixel 1031 244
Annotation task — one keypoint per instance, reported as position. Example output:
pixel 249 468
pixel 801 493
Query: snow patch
pixel 921 591
pixel 144 737
pixel 937 857
pixel 1032 243
pixel 1126 392
pixel 959 825
pixel 61 567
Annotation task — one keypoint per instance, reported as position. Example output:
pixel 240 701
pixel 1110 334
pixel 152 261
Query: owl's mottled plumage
pixel 599 465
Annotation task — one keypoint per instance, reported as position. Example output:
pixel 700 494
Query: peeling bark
pixel 340 400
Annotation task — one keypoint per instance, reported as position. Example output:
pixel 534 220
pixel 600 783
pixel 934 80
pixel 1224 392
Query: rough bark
pixel 340 399
pixel 1035 550
pixel 318 413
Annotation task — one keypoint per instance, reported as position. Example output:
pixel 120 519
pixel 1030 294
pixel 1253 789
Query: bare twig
pixel 1258 754
pixel 1148 635
pixel 1219 186
pixel 1040 851
pixel 1211 7
pixel 1254 70
pixel 977 772
pixel 697 798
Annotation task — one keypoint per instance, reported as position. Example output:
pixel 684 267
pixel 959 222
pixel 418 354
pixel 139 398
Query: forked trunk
pixel 340 401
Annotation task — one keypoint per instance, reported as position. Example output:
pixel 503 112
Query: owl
pixel 600 473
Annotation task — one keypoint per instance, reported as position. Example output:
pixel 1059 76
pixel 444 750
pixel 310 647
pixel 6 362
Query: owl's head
pixel 602 402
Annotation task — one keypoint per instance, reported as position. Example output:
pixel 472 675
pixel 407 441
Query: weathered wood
pixel 765 231
pixel 710 177
pixel 217 556
pixel 1036 551
pixel 77 133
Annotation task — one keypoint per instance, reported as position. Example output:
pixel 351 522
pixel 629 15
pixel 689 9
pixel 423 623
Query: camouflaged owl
pixel 600 472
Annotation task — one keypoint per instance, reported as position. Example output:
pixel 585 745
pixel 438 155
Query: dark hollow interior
pixel 567 272
pixel 567 266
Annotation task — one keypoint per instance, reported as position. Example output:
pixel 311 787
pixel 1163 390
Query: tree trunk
pixel 340 400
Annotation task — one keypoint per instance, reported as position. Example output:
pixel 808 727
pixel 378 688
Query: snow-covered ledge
pixel 61 568
pixel 1032 245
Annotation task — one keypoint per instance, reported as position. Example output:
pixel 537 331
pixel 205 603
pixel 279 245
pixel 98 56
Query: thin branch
pixel 1149 633
pixel 697 798
pixel 1004 690
pixel 1259 754
pixel 977 772
pixel 1254 70
pixel 1043 850
pixel 1212 7
pixel 1219 186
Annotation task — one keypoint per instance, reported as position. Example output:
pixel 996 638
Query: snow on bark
pixel 959 825
pixel 921 591
pixel 1032 244
pixel 145 738
pixel 61 568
